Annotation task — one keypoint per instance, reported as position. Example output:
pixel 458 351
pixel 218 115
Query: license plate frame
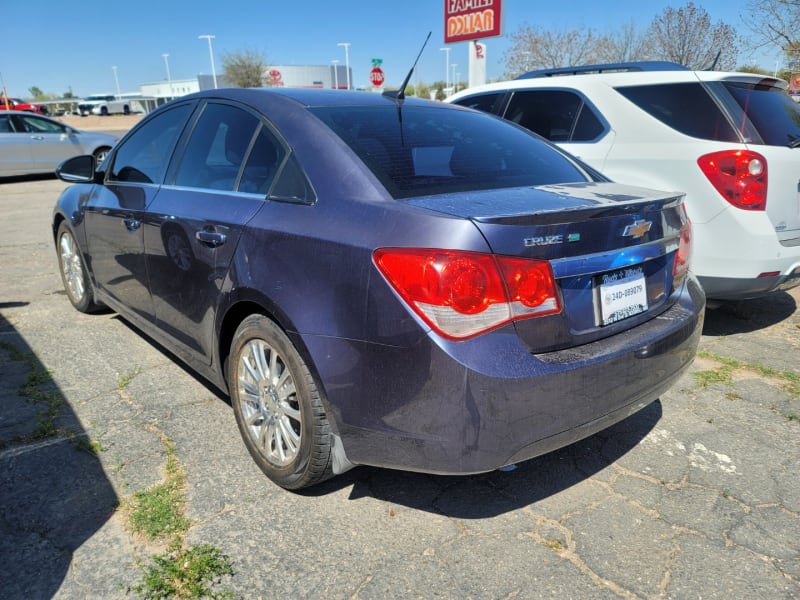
pixel 621 294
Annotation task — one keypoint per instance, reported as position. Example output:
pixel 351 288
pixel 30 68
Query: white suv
pixel 730 141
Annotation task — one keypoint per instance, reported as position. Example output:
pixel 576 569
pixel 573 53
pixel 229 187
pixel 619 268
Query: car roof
pixel 307 97
pixel 578 77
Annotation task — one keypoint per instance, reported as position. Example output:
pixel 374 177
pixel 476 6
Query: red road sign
pixel 376 77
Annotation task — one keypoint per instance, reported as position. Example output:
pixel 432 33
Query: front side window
pixel 144 156
pixel 421 150
pixel 37 125
pixel 685 107
pixel 485 102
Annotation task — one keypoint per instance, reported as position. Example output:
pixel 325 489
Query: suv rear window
pixel 775 115
pixel 427 150
pixel 685 107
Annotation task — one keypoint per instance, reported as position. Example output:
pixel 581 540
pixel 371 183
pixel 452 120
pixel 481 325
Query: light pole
pixel 116 80
pixel 455 81
pixel 211 56
pixel 169 78
pixel 447 67
pixel 346 60
pixel 335 73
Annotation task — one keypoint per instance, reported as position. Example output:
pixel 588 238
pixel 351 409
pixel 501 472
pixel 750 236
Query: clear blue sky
pixel 60 45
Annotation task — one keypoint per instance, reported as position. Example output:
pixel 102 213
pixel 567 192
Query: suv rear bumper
pixel 729 288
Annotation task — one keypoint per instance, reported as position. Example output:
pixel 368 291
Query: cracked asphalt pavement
pixel 696 496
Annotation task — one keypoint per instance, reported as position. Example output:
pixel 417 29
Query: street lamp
pixel 335 73
pixel 346 60
pixel 169 78
pixel 211 55
pixel 455 81
pixel 447 67
pixel 116 80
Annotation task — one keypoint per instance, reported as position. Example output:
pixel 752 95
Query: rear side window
pixel 774 114
pixel 685 107
pixel 430 149
pixel 558 115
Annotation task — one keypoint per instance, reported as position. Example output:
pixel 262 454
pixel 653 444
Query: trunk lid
pixel 611 247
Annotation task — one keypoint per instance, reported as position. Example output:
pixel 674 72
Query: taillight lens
pixel 680 265
pixel 739 175
pixel 463 294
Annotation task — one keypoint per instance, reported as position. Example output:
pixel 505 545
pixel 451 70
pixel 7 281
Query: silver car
pixel 31 144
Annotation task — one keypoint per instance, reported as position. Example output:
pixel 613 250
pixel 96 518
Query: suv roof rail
pixel 646 65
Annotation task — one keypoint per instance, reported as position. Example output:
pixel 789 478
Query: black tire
pixel 277 405
pixel 103 111
pixel 126 110
pixel 73 271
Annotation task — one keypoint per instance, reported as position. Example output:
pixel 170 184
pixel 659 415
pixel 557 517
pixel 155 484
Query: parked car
pixel 31 144
pixel 381 281
pixel 17 104
pixel 728 140
pixel 104 105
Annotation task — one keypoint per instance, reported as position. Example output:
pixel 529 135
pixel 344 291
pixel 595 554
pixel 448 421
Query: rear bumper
pixel 730 288
pixel 475 406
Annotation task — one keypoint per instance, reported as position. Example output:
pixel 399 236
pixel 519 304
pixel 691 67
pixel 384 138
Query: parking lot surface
pixel 696 496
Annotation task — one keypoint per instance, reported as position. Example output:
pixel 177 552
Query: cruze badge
pixel 638 229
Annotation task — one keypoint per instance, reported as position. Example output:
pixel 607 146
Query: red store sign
pixel 471 19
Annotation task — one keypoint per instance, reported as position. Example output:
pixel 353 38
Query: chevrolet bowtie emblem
pixel 638 229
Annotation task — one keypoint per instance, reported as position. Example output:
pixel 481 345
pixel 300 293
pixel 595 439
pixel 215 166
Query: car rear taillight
pixel 680 265
pixel 463 294
pixel 739 175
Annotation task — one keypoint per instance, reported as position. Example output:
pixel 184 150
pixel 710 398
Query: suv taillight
pixel 739 175
pixel 463 294
pixel 680 265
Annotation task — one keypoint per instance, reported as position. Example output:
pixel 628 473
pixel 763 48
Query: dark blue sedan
pixel 383 281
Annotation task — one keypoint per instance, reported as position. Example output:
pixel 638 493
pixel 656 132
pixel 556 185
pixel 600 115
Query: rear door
pixel 194 223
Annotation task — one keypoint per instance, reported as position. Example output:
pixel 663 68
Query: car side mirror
pixel 78 169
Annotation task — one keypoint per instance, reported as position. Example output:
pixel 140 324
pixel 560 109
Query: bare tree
pixel 244 69
pixel 627 44
pixel 776 23
pixel 687 36
pixel 539 48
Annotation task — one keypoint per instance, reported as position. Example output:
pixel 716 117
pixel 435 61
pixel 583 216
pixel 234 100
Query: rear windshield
pixel 773 112
pixel 424 150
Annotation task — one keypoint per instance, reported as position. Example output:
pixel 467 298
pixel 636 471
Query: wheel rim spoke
pixel 267 398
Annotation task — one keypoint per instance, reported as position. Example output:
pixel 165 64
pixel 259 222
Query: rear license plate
pixel 623 293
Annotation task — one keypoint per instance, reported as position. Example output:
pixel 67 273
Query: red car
pixel 17 104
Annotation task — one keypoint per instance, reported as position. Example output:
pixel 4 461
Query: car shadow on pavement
pixel 54 494
pixel 499 492
pixel 748 315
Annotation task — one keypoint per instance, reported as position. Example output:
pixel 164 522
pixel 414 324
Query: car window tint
pixel 292 185
pixel 217 147
pixel 144 156
pixel 775 115
pixel 685 107
pixel 485 102
pixel 422 150
pixel 5 124
pixel 262 163
pixel 36 125
pixel 553 115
